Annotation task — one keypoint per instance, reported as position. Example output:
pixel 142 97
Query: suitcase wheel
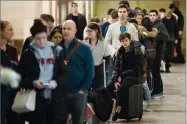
pixel 128 120
pixel 140 118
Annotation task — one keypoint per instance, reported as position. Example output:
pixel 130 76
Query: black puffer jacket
pixel 129 64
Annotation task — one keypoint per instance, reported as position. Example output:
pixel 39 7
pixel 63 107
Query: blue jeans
pixel 147 93
pixel 74 104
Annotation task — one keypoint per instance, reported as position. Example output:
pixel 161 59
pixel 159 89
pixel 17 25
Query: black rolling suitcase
pixel 132 106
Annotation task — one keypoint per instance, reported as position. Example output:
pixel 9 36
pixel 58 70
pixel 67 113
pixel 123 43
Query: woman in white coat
pixel 100 50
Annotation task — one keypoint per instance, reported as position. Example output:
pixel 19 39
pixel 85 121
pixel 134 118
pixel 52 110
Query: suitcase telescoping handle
pixel 104 70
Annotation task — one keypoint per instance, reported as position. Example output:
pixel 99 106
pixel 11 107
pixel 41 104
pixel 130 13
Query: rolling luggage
pixel 94 119
pixel 132 106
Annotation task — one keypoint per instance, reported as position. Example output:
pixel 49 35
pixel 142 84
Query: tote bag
pixel 25 101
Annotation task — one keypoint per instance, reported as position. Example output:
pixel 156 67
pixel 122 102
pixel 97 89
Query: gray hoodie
pixel 46 59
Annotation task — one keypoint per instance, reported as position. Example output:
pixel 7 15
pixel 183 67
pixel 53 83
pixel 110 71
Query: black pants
pixel 169 54
pixel 4 103
pixel 157 80
pixel 43 113
pixel 98 80
pixel 13 117
pixel 122 90
pixel 180 56
pixel 74 104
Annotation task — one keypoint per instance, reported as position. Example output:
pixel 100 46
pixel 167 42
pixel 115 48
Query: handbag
pixel 25 101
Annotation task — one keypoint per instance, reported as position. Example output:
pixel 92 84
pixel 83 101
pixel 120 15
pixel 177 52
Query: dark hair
pixel 133 21
pixel 162 10
pixel 38 27
pixel 171 6
pixel 146 23
pixel 154 10
pixel 96 19
pixel 95 26
pixel 144 12
pixel 47 17
pixel 131 15
pixel 114 14
pixel 138 8
pixel 74 3
pixel 123 6
pixel 4 24
pixel 56 29
pixel 124 35
pixel 124 2
pixel 110 11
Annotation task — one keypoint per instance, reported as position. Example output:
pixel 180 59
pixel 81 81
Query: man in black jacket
pixel 180 56
pixel 161 38
pixel 79 20
pixel 171 25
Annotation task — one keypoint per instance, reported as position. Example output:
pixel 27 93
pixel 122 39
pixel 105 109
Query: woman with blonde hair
pixel 100 50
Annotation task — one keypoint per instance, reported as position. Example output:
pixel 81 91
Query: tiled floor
pixel 170 109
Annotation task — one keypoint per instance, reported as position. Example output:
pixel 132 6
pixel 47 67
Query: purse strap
pixel 69 55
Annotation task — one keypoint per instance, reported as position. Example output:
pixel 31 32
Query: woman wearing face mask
pixel 128 68
pixel 100 50
pixel 39 74
pixel 56 35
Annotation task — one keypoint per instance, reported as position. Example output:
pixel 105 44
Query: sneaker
pixel 157 96
pixel 162 71
pixel 89 112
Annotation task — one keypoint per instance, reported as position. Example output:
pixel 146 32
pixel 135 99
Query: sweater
pixel 112 36
pixel 80 68
pixel 100 50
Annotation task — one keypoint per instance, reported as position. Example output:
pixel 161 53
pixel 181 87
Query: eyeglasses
pixel 89 30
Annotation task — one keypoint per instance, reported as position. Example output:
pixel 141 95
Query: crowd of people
pixel 64 63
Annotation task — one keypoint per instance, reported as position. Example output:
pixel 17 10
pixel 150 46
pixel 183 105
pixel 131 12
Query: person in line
pixel 172 27
pixel 96 20
pixel 80 66
pixel 106 24
pixel 114 18
pixel 160 39
pixel 180 57
pixel 126 3
pixel 48 20
pixel 139 18
pixel 100 51
pixel 114 30
pixel 56 35
pixel 9 58
pixel 39 75
pixel 128 68
pixel 79 19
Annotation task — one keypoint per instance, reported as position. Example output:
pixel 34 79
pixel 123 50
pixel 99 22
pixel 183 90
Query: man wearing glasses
pixel 79 20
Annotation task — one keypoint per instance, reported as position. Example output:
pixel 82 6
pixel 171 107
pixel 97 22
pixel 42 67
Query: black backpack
pixel 149 44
